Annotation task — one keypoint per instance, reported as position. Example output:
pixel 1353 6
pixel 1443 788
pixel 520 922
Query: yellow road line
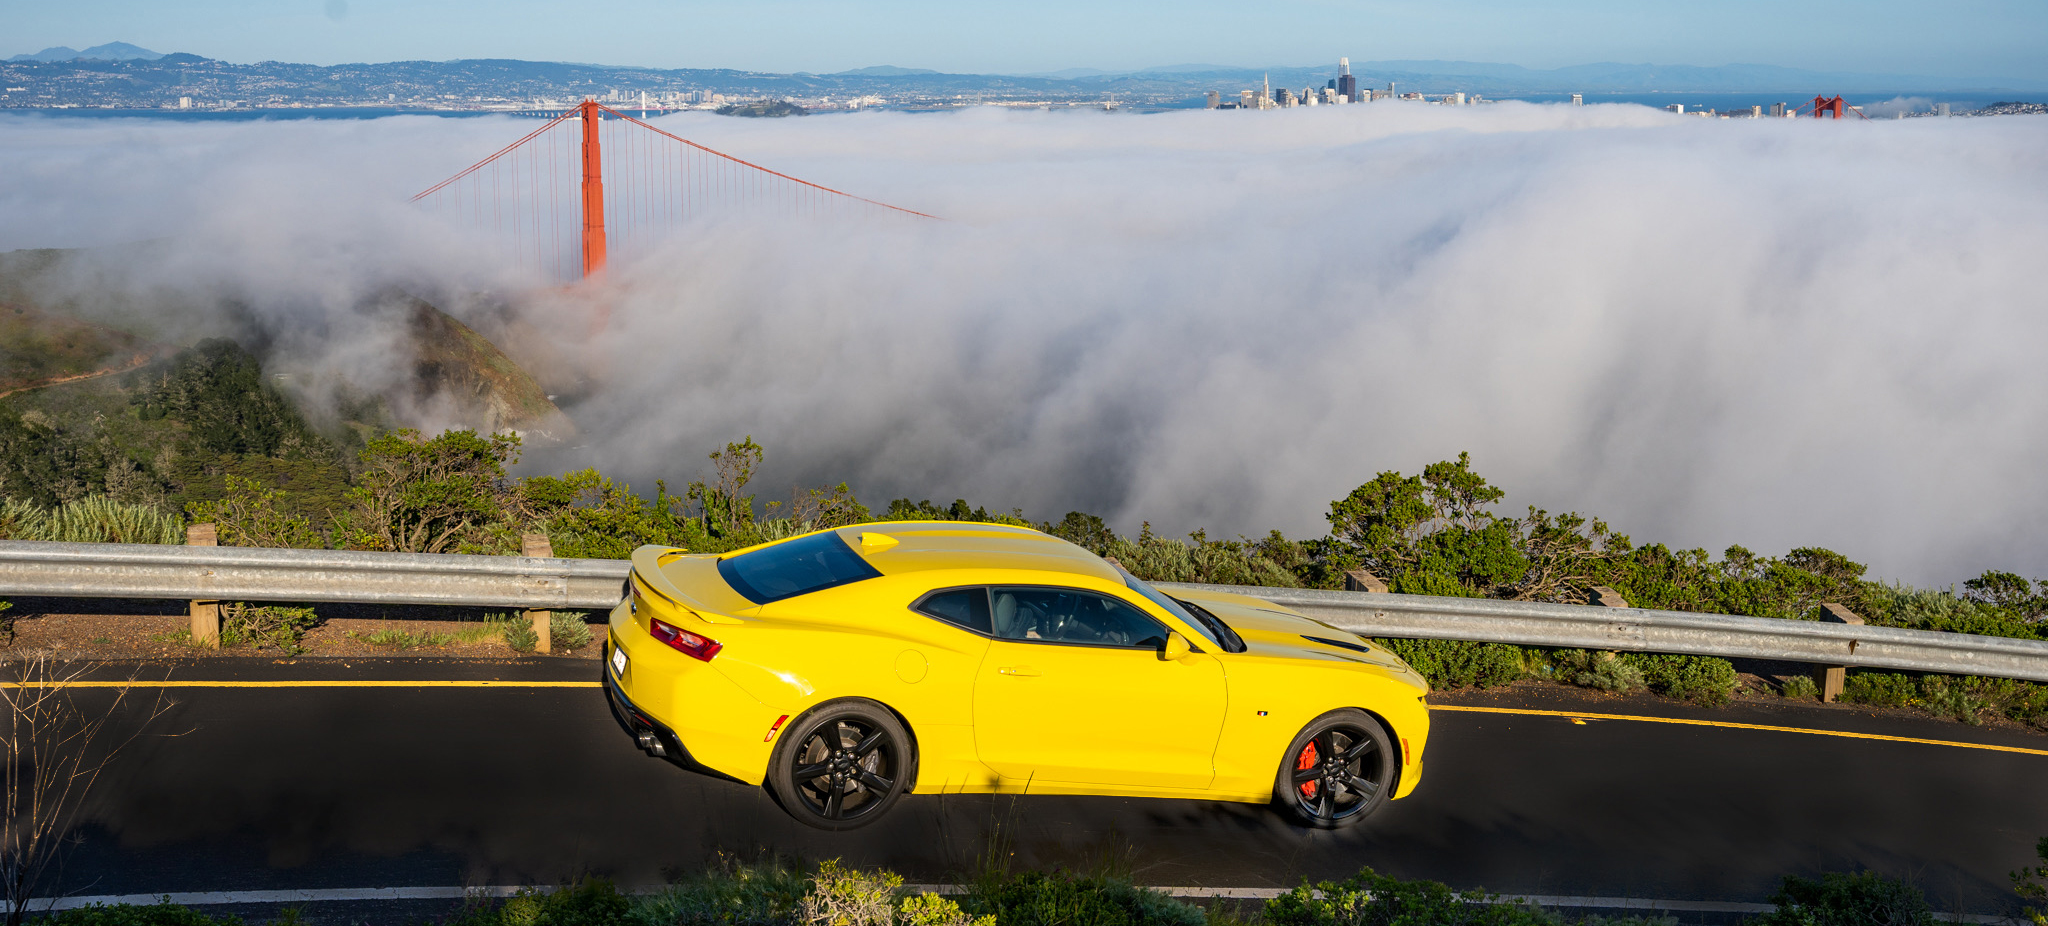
pixel 347 683
pixel 1581 715
pixel 1526 712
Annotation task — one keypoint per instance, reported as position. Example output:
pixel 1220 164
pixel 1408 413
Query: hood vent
pixel 1340 644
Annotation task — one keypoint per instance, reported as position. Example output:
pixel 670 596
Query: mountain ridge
pixel 111 51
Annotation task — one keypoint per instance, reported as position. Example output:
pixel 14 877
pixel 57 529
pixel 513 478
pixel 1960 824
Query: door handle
pixel 1019 671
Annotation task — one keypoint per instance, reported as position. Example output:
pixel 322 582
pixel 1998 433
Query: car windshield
pixel 796 567
pixel 1211 627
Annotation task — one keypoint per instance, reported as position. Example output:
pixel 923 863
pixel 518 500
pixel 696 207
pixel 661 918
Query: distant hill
pixel 112 51
pixel 38 348
pixel 883 70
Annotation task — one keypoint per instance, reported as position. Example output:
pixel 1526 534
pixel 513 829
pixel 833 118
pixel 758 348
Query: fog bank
pixel 1774 333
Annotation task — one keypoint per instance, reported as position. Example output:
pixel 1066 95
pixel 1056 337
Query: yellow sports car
pixel 846 667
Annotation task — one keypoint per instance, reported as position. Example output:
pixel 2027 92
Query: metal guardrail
pixel 1531 623
pixel 107 570
pixel 136 570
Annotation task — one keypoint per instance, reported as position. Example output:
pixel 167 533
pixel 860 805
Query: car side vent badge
pixel 1340 644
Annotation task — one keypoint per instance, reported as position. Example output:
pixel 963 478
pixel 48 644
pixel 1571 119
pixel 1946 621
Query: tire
pixel 841 765
pixel 1325 793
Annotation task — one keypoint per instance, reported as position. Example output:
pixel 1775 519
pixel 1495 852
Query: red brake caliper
pixel 1306 762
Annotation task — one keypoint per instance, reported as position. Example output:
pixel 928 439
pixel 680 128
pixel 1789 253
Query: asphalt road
pixel 309 787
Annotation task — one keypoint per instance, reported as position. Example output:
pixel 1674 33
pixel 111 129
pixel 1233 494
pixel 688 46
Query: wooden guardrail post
pixel 205 614
pixel 1607 598
pixel 543 621
pixel 1359 580
pixel 1830 679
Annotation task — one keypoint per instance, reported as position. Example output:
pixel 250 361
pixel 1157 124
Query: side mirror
pixel 1176 646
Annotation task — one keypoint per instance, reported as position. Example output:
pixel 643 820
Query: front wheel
pixel 841 765
pixel 1338 770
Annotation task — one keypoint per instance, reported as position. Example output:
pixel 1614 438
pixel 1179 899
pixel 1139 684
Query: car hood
pixel 1276 630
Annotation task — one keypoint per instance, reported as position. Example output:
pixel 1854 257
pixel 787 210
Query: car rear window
pixel 798 567
pixel 967 607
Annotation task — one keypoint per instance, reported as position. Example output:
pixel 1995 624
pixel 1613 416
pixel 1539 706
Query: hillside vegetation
pixel 204 436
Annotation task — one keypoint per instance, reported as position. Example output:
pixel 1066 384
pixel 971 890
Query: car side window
pixel 1060 615
pixel 966 607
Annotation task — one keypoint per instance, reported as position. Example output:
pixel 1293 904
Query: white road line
pixel 213 898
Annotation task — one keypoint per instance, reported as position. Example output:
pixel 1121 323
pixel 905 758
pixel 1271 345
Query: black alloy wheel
pixel 1340 768
pixel 841 765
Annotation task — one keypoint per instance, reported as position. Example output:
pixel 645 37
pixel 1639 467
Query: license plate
pixel 618 662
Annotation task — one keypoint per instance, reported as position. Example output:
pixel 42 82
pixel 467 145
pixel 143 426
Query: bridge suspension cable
pixel 593 179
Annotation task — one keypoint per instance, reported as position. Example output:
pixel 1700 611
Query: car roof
pixel 918 546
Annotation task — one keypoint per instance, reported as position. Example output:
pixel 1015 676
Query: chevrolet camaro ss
pixel 844 668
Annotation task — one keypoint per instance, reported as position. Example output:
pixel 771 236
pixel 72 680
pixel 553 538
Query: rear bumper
pixel 646 732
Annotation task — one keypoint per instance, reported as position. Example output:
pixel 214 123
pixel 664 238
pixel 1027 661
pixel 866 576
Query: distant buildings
pixel 1340 89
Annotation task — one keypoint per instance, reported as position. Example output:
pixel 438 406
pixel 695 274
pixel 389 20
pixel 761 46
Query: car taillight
pixel 688 643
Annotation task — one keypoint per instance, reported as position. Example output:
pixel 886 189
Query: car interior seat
pixel 1006 616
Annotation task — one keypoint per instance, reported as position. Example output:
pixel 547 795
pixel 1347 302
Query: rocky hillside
pixel 482 387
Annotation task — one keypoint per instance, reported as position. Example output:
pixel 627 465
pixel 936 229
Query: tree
pixel 444 494
pixel 725 509
pixel 1431 534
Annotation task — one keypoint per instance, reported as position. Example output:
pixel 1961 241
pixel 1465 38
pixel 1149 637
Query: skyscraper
pixel 1347 85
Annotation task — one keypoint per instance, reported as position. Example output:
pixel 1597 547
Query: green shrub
pixel 1800 686
pixel 1199 559
pixel 93 519
pixel 250 514
pixel 1064 899
pixel 2031 883
pixel 740 895
pixel 1458 663
pixel 1967 698
pixel 162 914
pixel 592 902
pixel 1867 899
pixel 277 627
pixel 1880 689
pixel 1596 669
pixel 1705 679
pixel 567 629
pixel 518 632
pixel 1371 899
pixel 842 896
pixel 1991 608
pixel 934 910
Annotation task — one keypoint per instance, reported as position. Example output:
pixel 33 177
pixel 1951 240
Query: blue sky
pixel 1960 38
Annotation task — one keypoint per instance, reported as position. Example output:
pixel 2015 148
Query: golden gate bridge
pixel 594 179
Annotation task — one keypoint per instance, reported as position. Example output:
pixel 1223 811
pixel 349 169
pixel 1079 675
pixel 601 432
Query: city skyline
pixel 1986 40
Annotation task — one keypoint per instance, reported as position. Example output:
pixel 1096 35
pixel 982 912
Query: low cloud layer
pixel 1775 333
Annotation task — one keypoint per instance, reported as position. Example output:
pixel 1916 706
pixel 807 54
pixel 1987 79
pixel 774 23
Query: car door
pixel 1073 689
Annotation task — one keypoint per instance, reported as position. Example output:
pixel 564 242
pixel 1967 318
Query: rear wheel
pixel 841 765
pixel 1338 770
